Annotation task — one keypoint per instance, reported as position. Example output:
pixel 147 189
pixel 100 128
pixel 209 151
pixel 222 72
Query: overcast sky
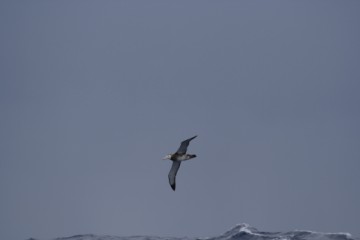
pixel 94 93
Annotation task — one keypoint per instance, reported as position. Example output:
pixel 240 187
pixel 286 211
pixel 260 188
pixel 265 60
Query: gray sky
pixel 94 93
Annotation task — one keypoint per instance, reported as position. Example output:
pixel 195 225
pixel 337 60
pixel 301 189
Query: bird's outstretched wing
pixel 172 174
pixel 184 144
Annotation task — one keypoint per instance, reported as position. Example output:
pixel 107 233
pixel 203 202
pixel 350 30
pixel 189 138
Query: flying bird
pixel 177 157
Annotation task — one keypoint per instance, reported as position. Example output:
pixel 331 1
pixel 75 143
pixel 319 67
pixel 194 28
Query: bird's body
pixel 181 157
pixel 177 157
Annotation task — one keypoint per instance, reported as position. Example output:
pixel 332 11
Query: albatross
pixel 176 158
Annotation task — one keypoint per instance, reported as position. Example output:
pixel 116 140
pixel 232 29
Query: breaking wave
pixel 239 232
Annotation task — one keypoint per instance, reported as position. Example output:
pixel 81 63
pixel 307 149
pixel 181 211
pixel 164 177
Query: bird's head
pixel 167 157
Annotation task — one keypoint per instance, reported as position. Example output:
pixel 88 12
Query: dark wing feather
pixel 172 174
pixel 183 146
